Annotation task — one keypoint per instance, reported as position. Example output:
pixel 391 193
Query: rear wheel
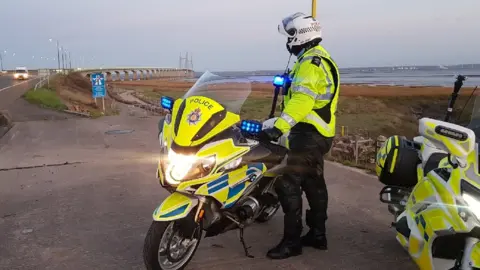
pixel 166 249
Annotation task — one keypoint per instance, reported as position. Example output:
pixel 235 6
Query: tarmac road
pixel 19 109
pixel 7 80
pixel 11 89
pixel 94 212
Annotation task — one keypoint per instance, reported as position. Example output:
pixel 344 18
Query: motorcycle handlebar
pixel 267 144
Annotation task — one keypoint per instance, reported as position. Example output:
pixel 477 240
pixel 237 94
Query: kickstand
pixel 245 248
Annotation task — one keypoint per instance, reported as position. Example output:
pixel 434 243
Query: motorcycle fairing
pixel 225 151
pixel 165 136
pixel 196 122
pixel 175 206
pixel 228 188
pixel 456 140
pixel 432 211
pixel 474 256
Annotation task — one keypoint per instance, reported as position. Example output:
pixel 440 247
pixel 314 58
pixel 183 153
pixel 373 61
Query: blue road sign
pixel 98 85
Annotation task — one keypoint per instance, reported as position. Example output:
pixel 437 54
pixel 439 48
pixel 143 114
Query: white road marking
pixel 8 87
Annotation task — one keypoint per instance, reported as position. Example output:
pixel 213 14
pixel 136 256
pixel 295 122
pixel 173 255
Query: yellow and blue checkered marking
pixel 222 182
pixel 228 188
pixel 217 184
pixel 236 189
pixel 230 204
pixel 233 191
pixel 174 212
pixel 421 220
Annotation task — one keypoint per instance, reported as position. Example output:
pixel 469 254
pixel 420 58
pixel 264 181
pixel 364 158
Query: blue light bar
pixel 278 80
pixel 251 126
pixel 167 102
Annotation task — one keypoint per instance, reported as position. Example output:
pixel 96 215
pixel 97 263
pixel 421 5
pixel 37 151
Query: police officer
pixel 310 102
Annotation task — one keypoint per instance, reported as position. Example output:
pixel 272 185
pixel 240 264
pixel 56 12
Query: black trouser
pixel 305 171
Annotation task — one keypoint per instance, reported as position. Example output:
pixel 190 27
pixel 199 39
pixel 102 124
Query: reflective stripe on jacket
pixel 313 95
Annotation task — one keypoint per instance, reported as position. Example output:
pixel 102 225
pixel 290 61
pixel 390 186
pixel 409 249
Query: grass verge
pixel 72 93
pixel 46 98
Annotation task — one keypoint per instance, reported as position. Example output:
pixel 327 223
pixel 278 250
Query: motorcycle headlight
pixel 181 167
pixel 471 195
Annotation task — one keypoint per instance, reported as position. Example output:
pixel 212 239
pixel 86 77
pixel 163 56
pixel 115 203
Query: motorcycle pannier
pixel 396 162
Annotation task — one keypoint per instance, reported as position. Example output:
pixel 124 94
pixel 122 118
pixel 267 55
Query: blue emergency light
pixel 166 102
pixel 278 80
pixel 251 126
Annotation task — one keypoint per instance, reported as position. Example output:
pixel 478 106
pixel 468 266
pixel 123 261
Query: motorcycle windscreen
pixel 212 105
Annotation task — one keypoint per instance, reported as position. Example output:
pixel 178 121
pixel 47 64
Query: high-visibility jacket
pixel 313 94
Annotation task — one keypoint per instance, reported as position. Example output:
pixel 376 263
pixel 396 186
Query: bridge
pixel 127 73
pixel 139 73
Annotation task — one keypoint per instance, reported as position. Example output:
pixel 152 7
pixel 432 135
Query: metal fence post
pixel 355 152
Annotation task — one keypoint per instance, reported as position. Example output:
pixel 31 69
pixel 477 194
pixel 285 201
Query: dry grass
pixel 266 89
pixel 75 91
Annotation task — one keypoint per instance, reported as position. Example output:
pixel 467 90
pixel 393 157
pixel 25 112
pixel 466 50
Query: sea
pixel 392 76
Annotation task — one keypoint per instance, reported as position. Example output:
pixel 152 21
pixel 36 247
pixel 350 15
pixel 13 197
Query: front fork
pixel 200 212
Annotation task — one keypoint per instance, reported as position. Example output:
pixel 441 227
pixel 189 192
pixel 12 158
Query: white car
pixel 21 73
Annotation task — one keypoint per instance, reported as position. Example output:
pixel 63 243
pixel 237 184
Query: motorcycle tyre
pixel 152 244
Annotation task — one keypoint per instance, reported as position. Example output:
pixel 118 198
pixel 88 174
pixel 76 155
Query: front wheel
pixel 166 249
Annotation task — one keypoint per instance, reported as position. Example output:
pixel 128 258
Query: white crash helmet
pixel 300 29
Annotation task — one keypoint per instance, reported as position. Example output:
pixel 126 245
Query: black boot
pixel 291 244
pixel 316 236
pixel 315 239
pixel 285 249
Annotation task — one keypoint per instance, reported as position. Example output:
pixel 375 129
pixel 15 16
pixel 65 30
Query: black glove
pixel 270 134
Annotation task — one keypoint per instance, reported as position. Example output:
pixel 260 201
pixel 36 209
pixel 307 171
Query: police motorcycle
pixel 219 175
pixel 432 188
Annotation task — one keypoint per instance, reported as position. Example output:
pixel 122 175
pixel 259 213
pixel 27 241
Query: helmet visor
pixel 286 27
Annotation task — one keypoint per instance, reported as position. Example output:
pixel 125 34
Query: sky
pixel 236 35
